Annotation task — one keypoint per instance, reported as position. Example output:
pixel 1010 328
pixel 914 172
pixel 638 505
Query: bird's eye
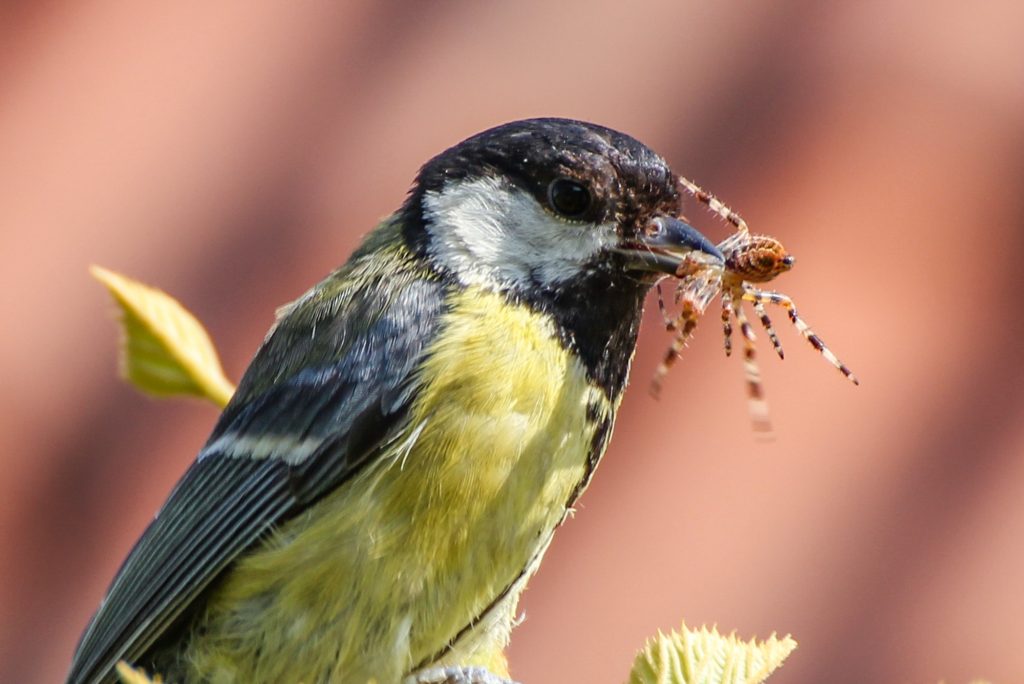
pixel 568 197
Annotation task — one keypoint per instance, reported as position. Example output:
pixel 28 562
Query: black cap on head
pixel 626 179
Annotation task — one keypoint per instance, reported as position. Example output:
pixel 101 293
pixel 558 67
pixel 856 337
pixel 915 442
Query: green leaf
pixel 166 351
pixel 704 656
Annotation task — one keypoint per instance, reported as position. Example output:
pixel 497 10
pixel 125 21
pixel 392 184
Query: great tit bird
pixel 413 429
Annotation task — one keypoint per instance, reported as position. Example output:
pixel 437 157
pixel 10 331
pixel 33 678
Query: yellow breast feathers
pixel 420 558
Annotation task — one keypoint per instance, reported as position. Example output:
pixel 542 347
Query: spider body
pixel 748 259
pixel 754 258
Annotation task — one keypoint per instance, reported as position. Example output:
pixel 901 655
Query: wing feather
pixel 343 365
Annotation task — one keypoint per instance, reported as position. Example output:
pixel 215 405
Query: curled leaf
pixel 166 351
pixel 704 656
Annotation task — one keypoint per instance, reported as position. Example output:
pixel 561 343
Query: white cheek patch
pixel 490 233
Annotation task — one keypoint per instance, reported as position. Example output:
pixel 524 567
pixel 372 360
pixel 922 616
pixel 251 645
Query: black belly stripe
pixel 598 444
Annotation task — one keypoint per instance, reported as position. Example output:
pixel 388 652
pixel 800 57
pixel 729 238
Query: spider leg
pixel 714 204
pixel 727 321
pixel 756 297
pixel 741 317
pixel 755 389
pixel 805 330
pixel 685 324
pixel 670 323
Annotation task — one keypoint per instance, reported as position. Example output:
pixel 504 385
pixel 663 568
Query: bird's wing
pixel 328 387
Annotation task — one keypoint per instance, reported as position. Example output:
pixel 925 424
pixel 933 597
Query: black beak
pixel 664 244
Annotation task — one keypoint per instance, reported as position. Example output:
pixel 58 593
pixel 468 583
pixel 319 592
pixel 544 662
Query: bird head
pixel 540 206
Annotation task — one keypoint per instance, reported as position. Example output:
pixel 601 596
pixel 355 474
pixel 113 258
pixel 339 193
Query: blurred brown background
pixel 234 152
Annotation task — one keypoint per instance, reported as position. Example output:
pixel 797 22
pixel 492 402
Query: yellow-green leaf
pixel 704 656
pixel 166 351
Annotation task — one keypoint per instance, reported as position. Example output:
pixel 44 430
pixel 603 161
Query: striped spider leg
pixel 701 280
pixel 751 258
pixel 748 259
pixel 761 297
pixel 715 205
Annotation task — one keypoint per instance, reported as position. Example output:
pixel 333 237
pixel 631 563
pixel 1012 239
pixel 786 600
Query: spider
pixel 748 259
